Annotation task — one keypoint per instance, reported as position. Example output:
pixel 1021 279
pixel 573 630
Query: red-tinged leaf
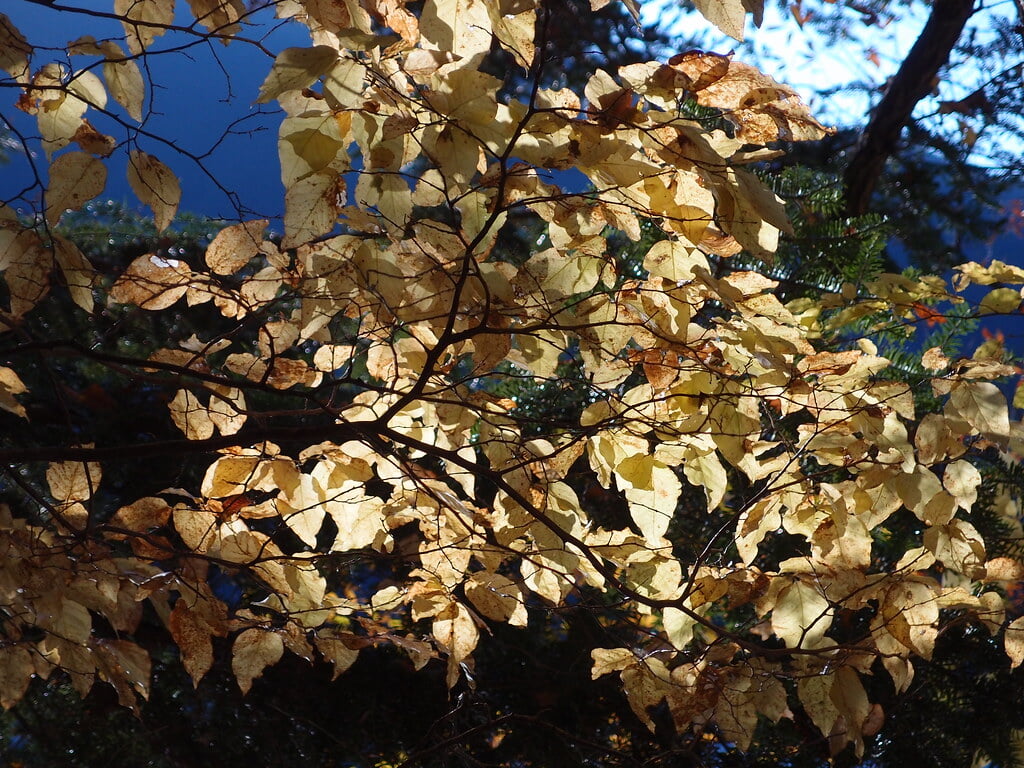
pixel 930 315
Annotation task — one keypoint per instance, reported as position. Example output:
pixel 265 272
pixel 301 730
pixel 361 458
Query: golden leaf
pixel 156 16
pixel 155 185
pixel 253 651
pixel 152 282
pixel 984 407
pixel 78 273
pixel 75 179
pixel 296 68
pixel 71 481
pixel 311 208
pixel 801 615
pixel 334 650
pixel 234 246
pixel 219 16
pixel 728 15
pixel 14 50
pixel 11 385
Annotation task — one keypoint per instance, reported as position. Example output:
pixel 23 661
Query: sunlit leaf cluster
pixel 377 385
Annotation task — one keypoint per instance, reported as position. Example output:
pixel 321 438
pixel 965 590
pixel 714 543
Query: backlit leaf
pixel 252 652
pixel 14 50
pixel 296 68
pixel 1014 642
pixel 75 179
pixel 234 246
pixel 728 15
pixel 801 615
pixel 155 185
pixel 155 16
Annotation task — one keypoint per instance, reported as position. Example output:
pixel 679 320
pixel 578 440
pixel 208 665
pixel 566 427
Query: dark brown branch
pixel 314 433
pixel 913 81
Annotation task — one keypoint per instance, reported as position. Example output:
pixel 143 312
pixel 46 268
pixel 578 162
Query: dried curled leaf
pixel 762 109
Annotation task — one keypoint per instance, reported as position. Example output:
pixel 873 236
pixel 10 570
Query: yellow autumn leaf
pixel 79 274
pixel 14 50
pixel 219 16
pixel 153 17
pixel 962 479
pixel 983 406
pixel 704 470
pixel 674 261
pixel 252 652
pixel 296 68
pixel 958 546
pixel 11 385
pixel 71 481
pixel 155 185
pixel 608 660
pixel 1002 301
pixel 75 178
pixel 801 615
pixel 1013 641
pixel 728 15
pixel 459 27
pixel 652 489
pixel 152 282
pixel 193 637
pixel 456 632
pixel 334 650
pixel 851 701
pixel 994 271
pixel 234 246
pixel 934 359
pixel 311 208
pixel 124 79
pixel 497 597
pixel 60 111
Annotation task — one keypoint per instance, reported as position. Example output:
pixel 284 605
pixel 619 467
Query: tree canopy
pixel 521 376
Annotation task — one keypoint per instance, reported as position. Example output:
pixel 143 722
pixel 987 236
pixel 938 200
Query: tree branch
pixel 316 433
pixel 913 81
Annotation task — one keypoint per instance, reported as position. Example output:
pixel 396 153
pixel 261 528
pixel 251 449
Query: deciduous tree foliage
pixel 358 390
